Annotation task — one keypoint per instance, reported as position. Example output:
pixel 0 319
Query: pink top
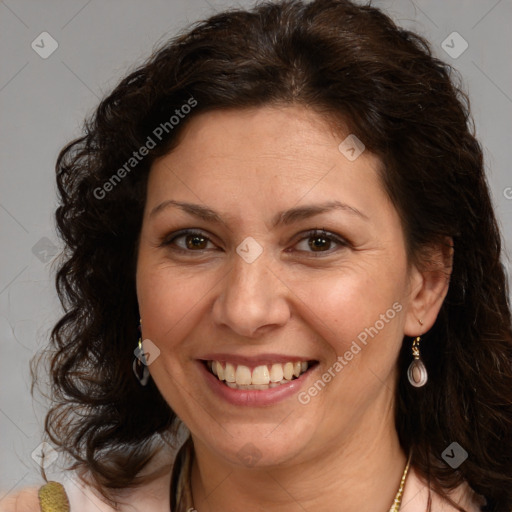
pixel 155 496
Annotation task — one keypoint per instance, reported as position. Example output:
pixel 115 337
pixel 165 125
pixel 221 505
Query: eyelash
pixel 309 234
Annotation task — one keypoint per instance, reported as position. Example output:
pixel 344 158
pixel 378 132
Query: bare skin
pixel 340 450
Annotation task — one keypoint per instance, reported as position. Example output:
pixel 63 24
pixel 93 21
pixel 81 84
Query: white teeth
pixel 288 371
pixel 219 370
pixel 243 375
pixel 261 377
pixel 229 373
pixel 276 373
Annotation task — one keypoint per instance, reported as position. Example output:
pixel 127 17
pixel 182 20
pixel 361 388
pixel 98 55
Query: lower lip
pixel 255 397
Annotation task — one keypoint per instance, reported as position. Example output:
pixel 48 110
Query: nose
pixel 252 299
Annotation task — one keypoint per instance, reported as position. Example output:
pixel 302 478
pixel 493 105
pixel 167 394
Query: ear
pixel 429 281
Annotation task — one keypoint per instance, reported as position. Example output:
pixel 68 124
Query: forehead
pixel 258 125
pixel 266 157
pixel 271 140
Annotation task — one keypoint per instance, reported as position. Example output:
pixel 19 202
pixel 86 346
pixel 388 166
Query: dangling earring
pixel 140 368
pixel 417 372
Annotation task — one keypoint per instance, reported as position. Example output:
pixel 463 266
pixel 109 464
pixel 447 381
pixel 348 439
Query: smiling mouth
pixel 238 376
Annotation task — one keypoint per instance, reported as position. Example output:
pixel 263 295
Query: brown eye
pixel 196 241
pixel 319 242
pixel 187 241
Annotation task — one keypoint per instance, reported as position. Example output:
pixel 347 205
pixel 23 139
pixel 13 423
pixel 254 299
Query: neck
pixel 362 473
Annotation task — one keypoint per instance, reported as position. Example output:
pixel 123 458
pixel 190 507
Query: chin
pixel 260 444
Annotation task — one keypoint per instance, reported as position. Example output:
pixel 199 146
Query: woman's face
pixel 254 289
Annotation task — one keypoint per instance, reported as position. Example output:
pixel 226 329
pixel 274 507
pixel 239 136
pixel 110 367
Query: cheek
pixel 336 298
pixel 358 319
pixel 350 306
pixel 169 302
pixel 171 305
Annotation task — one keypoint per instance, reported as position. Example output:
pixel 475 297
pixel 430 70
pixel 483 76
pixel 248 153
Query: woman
pixel 291 201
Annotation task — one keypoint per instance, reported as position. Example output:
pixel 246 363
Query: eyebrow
pixel 285 217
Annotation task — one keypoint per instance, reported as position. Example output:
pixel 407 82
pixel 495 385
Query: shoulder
pixel 416 495
pixel 55 496
pixel 25 500
pixel 82 496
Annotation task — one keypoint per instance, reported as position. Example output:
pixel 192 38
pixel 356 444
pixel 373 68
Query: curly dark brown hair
pixel 348 62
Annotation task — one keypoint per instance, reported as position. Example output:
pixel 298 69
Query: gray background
pixel 43 103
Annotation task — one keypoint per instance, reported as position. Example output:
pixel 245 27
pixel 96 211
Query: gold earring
pixel 139 366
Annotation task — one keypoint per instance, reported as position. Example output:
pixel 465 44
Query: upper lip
pixel 253 361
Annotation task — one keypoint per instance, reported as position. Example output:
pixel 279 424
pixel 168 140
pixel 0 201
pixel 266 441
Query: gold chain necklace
pixel 398 498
